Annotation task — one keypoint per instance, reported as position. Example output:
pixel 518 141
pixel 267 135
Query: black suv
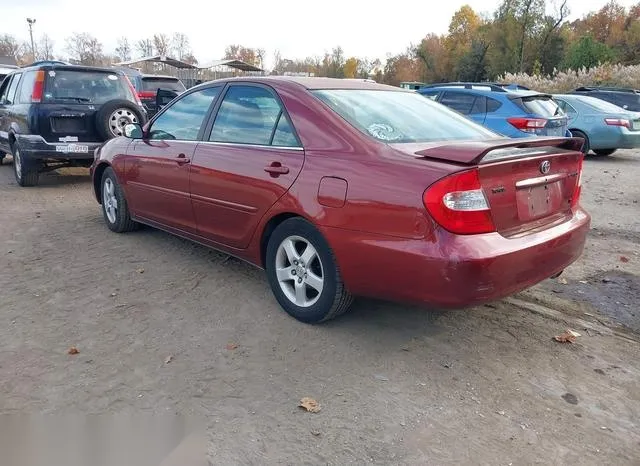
pixel 54 115
pixel 629 99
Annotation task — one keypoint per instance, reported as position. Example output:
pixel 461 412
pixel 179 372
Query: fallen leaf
pixel 562 281
pixel 140 270
pixel 315 432
pixel 584 282
pixel 168 360
pixel 73 350
pixel 232 346
pixel 624 259
pixel 309 404
pixel 569 336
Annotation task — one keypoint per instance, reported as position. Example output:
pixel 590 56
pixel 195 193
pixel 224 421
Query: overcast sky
pixel 363 28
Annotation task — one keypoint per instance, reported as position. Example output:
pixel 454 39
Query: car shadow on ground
pixel 61 177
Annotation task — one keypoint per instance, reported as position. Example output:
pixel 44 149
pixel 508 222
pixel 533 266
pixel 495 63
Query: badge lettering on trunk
pixel 545 167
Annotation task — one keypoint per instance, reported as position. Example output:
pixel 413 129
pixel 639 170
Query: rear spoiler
pixel 472 152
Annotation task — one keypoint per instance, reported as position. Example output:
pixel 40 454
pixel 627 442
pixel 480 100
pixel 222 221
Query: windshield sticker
pixel 113 77
pixel 52 73
pixel 383 132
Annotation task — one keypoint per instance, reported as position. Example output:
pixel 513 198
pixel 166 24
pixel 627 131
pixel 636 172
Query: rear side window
pixel 153 84
pixel 83 86
pixel 541 105
pixel 459 101
pixel 26 89
pixel 13 86
pixel 493 105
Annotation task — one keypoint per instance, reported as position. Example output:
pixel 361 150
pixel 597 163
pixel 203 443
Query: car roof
pixel 312 83
pixel 70 67
pixel 509 93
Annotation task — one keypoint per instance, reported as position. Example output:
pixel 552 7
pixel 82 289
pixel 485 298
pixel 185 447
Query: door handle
pixel 181 159
pixel 276 169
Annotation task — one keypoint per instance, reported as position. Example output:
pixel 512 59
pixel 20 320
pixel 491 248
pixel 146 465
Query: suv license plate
pixel 73 149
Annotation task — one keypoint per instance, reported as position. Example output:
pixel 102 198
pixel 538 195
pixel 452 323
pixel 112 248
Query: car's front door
pixel 251 158
pixel 157 166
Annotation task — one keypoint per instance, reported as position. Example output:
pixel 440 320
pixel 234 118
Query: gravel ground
pixel 166 326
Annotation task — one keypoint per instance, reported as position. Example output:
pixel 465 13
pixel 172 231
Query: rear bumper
pixel 35 147
pixel 453 271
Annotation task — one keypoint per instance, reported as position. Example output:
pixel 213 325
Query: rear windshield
pixel 153 84
pixel 401 117
pixel 81 86
pixel 541 105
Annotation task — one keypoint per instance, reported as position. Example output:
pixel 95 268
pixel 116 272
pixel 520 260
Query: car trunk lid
pixel 527 184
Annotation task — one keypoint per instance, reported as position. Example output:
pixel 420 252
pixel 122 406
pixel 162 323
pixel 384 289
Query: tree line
pixel 520 36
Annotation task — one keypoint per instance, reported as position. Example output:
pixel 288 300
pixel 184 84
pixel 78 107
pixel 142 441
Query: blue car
pixel 508 110
pixel 604 126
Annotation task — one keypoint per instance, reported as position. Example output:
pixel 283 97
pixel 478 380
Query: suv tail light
pixel 38 87
pixel 618 122
pixel 147 95
pixel 458 204
pixel 575 199
pixel 528 125
pixel 133 90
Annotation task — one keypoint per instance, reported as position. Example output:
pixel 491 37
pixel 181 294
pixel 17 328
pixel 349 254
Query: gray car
pixel 605 127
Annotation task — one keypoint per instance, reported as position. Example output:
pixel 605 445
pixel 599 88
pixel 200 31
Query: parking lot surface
pixel 166 326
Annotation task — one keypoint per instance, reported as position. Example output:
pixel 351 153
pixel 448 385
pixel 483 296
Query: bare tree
pixel 260 55
pixel 277 62
pixel 9 46
pixel 123 50
pixel 85 48
pixel 44 48
pixel 180 45
pixel 145 47
pixel 161 43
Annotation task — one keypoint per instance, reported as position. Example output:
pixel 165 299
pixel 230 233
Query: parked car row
pixel 606 118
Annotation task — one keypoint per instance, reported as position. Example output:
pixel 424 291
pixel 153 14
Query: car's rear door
pixel 471 105
pixel 4 113
pixel 251 158
pixel 157 167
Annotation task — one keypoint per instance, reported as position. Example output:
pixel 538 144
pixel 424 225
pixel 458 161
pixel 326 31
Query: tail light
pixel 147 95
pixel 528 125
pixel 38 87
pixel 575 199
pixel 618 122
pixel 133 90
pixel 458 204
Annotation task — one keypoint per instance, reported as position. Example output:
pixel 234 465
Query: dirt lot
pixel 396 384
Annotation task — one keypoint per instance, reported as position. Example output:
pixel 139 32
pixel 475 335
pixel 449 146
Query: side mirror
pixel 163 97
pixel 133 131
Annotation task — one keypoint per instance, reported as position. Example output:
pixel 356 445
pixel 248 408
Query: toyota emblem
pixel 545 167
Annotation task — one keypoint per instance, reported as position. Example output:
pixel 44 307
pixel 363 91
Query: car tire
pixel 115 209
pixel 579 134
pixel 313 292
pixel 114 114
pixel 25 170
pixel 604 152
pixel 2 156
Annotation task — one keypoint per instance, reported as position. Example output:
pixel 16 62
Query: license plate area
pixel 73 149
pixel 68 125
pixel 539 201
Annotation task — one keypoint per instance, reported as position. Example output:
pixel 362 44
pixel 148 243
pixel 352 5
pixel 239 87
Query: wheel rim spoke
pixel 301 293
pixel 290 250
pixel 315 282
pixel 309 254
pixel 284 274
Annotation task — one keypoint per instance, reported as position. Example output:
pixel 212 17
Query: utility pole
pixel 31 22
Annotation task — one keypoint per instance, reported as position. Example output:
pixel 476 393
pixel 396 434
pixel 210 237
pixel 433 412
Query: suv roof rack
pixel 468 85
pixel 606 88
pixel 514 86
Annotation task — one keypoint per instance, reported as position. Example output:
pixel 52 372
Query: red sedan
pixel 341 188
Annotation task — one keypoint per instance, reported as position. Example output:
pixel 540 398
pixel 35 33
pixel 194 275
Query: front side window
pixel 183 119
pixel 252 115
pixel 401 117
